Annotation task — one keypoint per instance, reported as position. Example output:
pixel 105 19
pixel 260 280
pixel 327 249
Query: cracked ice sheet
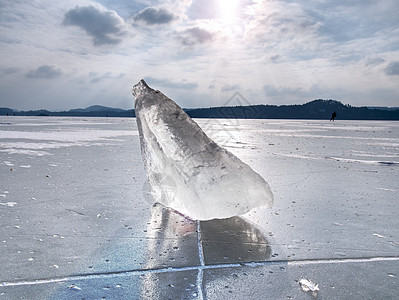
pixel 60 135
pixel 96 219
pixel 166 285
pixel 344 280
pixel 325 209
pixel 30 136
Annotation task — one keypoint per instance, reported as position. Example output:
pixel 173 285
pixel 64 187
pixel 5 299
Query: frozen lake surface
pixel 74 222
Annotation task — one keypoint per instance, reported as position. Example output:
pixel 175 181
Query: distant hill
pixel 382 107
pixel 91 111
pixel 316 109
pixel 95 108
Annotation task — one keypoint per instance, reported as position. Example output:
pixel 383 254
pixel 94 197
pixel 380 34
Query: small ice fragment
pixel 56 266
pixel 384 189
pixel 308 285
pixel 9 204
pixel 186 170
pixel 379 235
pixel 25 166
pixel 74 287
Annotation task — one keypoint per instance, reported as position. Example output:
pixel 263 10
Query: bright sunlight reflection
pixel 228 9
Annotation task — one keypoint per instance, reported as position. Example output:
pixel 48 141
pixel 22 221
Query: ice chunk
pixel 309 286
pixel 186 170
pixel 9 204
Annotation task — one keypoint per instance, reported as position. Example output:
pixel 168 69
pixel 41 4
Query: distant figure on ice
pixel 334 114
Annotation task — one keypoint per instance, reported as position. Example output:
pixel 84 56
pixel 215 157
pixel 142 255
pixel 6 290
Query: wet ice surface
pixel 74 224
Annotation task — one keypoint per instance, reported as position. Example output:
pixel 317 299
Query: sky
pixel 59 55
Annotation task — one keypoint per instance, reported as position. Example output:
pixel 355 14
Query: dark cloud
pixel 392 68
pixel 276 58
pixel 95 78
pixel 374 61
pixel 194 36
pixel 44 71
pixel 154 16
pixel 103 26
pixel 228 87
pixel 167 83
pixel 11 70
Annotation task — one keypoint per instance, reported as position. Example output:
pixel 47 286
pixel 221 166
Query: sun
pixel 228 9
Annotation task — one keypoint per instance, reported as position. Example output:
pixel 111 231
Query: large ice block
pixel 186 170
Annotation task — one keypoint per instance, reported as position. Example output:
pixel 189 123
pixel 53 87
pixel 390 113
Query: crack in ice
pixel 136 272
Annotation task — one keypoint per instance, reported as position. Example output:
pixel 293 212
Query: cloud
pixel 295 95
pixel 287 94
pixel 279 92
pixel 154 16
pixel 343 22
pixel 275 58
pixel 10 71
pixel 374 61
pixel 95 78
pixel 105 27
pixel 392 69
pixel 167 83
pixel 279 23
pixel 228 87
pixel 194 36
pixel 44 71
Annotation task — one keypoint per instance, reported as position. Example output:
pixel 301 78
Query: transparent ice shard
pixel 186 170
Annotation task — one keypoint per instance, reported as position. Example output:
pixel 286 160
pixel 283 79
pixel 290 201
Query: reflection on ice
pixel 170 238
pixel 233 240
pixel 173 238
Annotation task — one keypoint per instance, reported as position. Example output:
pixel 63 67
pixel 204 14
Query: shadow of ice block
pixel 233 240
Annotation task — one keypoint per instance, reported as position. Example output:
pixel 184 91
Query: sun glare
pixel 228 9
